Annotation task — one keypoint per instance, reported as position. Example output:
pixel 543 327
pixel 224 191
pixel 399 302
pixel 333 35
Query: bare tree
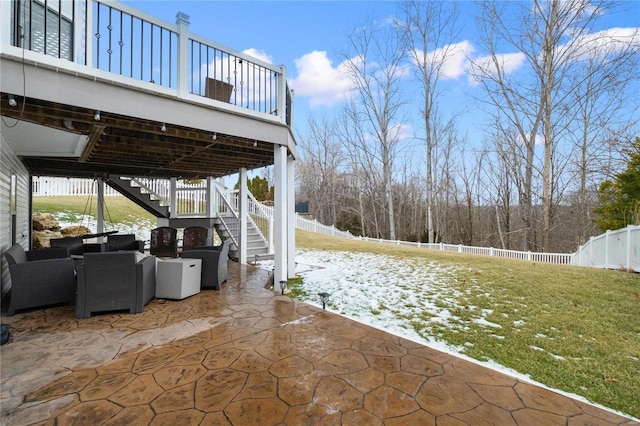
pixel 428 30
pixel 600 101
pixel 550 38
pixel 373 62
pixel 319 172
pixel 366 178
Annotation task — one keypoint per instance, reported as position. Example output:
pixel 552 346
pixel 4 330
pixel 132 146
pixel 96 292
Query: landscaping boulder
pixel 45 221
pixel 40 239
pixel 75 231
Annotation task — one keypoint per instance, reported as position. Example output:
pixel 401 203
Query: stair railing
pixel 158 188
pixel 262 220
pixel 257 215
pixel 225 206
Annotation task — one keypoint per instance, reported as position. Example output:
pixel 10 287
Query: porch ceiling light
pixel 12 101
pixel 255 143
pixel 283 286
pixel 96 116
pixel 324 297
pixel 214 136
pixel 163 128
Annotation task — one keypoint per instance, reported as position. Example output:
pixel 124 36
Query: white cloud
pixel 538 140
pixel 258 54
pixel 602 43
pixel 401 131
pixel 319 79
pixel 484 65
pixel 453 58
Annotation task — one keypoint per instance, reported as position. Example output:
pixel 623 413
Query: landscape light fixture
pixel 283 286
pixel 256 261
pixel 96 116
pixel 12 101
pixel 324 296
pixel 163 128
pixel 215 136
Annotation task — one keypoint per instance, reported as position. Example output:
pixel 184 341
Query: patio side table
pixel 178 278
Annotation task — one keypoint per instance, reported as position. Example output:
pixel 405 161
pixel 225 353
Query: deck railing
pixel 119 40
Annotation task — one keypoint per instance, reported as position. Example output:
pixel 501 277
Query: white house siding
pixel 10 164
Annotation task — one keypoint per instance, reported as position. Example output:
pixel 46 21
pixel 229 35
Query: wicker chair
pixel 164 242
pixel 40 277
pixel 112 281
pixel 214 264
pixel 194 236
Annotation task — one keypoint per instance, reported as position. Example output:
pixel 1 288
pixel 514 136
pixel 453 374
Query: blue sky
pixel 307 36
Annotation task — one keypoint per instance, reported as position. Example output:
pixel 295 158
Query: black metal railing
pixel 223 76
pixel 44 26
pixel 133 47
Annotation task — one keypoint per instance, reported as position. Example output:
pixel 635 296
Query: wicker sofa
pixel 214 264
pixel 114 281
pixel 40 277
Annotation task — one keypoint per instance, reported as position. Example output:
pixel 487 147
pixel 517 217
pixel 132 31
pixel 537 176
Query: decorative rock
pixel 45 221
pixel 41 239
pixel 75 231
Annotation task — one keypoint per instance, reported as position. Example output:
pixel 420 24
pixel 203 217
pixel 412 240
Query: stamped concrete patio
pixel 245 356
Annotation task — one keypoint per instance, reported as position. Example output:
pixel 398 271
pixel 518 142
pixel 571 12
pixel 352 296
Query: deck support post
pixel 242 216
pixel 291 218
pixel 280 209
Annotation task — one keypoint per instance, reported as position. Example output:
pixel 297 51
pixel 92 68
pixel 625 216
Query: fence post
pixel 491 251
pixel 628 268
pixel 607 236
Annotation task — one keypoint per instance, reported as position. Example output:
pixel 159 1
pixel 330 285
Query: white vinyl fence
pixel 52 186
pixel 612 250
pixel 555 258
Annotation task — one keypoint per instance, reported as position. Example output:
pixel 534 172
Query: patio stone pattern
pixel 247 356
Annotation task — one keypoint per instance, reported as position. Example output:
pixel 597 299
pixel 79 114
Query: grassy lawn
pixel 71 209
pixel 573 329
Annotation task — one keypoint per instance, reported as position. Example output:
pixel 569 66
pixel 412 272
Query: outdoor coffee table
pixel 178 278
